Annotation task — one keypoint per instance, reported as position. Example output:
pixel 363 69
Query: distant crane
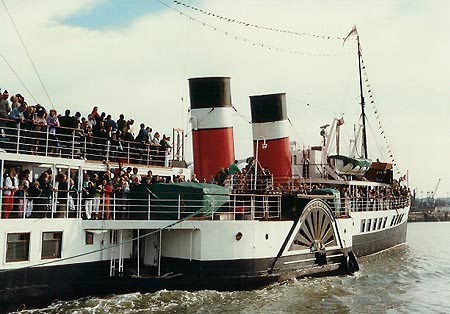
pixel 435 189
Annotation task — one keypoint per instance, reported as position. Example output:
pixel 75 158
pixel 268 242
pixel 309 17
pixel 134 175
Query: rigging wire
pixel 254 43
pixel 17 76
pixel 296 132
pixel 377 144
pixel 28 53
pixel 261 27
pixel 241 115
pixel 377 115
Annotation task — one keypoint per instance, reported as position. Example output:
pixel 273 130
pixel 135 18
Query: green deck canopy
pixel 199 199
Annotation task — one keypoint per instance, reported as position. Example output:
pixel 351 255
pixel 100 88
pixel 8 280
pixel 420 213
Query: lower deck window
pixel 17 247
pixel 51 245
pixel 89 238
pixel 369 223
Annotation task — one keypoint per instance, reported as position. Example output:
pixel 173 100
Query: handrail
pixel 120 206
pixel 26 137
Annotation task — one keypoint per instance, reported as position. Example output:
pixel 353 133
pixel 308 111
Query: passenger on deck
pixel 28 128
pixel 165 143
pixel 97 195
pixel 121 123
pixel 52 123
pixel 34 192
pixel 194 178
pixel 220 176
pixel 110 123
pixel 11 185
pixel 45 183
pixel 61 195
pixel 5 108
pixel 136 175
pixel 106 191
pixel 72 200
pixel 233 168
pixel 14 102
pixel 142 136
pixel 40 128
pixel 87 195
pixel 17 114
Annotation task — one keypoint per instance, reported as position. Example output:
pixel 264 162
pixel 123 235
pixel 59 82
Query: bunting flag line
pixel 255 43
pixel 248 24
pixel 377 115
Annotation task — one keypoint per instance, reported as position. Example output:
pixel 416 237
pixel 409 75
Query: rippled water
pixel 409 279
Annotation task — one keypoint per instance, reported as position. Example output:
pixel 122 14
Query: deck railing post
pixel 46 143
pixel 148 207
pixel 53 201
pixel 114 206
pixel 128 152
pixel 73 144
pixel 252 207
pixel 179 206
pixel 24 212
pixel 85 147
pixel 67 205
pixel 18 138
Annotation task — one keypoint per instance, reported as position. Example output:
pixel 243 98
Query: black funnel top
pixel 209 92
pixel 268 108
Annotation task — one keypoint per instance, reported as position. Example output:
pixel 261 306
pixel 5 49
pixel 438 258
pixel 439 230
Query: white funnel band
pixel 212 118
pixel 271 130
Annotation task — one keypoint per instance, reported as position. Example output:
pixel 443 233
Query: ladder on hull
pixel 116 261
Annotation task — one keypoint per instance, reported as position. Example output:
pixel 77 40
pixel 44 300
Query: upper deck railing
pixel 29 138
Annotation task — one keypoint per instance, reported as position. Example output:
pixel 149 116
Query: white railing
pixel 122 207
pixel 375 204
pixel 32 139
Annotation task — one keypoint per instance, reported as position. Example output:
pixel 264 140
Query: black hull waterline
pixel 371 243
pixel 39 286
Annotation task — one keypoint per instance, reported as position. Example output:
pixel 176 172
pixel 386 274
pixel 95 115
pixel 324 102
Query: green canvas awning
pixel 165 199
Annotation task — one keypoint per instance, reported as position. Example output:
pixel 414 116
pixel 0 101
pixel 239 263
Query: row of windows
pixel 18 245
pixel 373 224
pixel 397 219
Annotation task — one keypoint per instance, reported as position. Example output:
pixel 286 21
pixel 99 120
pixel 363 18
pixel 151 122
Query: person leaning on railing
pixel 52 123
pixel 5 108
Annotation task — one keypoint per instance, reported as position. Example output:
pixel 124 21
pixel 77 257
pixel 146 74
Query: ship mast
pixel 363 114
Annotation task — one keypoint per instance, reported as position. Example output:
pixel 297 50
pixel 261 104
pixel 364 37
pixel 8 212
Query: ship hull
pixel 39 286
pixel 367 244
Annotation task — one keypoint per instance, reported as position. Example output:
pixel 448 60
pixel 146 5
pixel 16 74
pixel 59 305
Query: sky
pixel 135 57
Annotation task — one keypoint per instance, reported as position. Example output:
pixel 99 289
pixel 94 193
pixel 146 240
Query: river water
pixel 410 279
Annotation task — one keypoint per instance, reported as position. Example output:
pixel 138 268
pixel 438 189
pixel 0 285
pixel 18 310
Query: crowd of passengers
pixel 100 191
pixel 60 197
pixel 94 136
pixel 359 198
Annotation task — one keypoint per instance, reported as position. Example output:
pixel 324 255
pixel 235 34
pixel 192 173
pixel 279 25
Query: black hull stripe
pixel 370 243
pixel 41 285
